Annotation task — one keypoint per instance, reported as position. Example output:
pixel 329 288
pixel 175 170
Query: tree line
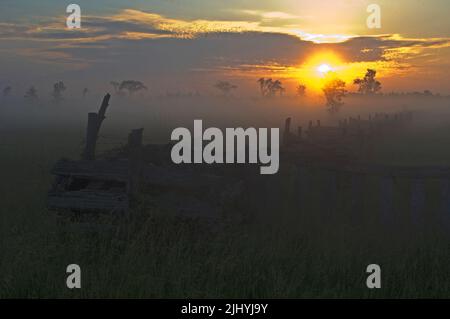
pixel 334 89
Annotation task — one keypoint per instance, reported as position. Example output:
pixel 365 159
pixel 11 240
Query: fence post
pixel 299 132
pixel 91 137
pixel 95 121
pixel 287 132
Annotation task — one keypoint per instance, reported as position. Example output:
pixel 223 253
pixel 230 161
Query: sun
pixel 315 69
pixel 324 68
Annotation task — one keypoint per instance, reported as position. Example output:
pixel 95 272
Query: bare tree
pixel 301 90
pixel 132 86
pixel 225 87
pixel 368 85
pixel 7 91
pixel 58 89
pixel 31 94
pixel 334 90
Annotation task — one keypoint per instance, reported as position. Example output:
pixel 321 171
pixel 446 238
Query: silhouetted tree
pixel 7 91
pixel 301 90
pixel 58 89
pixel 368 85
pixel 31 94
pixel 116 86
pixel 334 90
pixel 132 86
pixel 225 87
pixel 262 85
pixel 275 87
pixel 270 88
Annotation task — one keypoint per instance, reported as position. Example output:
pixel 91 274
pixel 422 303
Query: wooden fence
pixel 345 187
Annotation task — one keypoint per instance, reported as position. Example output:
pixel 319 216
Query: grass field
pixel 285 253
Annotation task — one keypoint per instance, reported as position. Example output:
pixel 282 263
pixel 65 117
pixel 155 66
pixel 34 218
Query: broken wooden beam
pixel 93 128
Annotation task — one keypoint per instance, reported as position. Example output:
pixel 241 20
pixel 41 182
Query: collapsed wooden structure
pixel 112 183
pixel 115 181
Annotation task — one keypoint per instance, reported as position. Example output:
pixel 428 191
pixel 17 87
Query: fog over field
pixel 159 115
pixel 360 179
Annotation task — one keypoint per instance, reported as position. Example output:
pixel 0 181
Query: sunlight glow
pixel 324 68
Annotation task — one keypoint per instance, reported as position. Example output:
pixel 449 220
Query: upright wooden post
pixel 91 137
pixel 287 132
pixel 102 110
pixel 94 123
pixel 135 138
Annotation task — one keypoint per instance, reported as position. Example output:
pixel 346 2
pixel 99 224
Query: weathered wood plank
pixel 95 121
pixel 87 200
pixel 99 169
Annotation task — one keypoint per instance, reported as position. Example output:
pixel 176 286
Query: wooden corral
pixel 350 141
pixel 414 196
pixel 113 182
pixel 90 186
pixel 335 156
pixel 323 161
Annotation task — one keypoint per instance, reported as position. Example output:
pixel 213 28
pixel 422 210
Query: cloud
pixel 142 43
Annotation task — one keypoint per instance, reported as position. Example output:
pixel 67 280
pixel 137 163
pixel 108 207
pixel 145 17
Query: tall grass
pixel 280 249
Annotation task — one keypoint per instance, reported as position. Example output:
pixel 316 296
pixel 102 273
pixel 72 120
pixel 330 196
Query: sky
pixel 185 45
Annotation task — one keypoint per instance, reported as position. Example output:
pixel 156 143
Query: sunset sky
pixel 186 44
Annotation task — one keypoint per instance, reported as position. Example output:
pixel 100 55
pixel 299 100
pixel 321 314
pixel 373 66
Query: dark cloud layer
pixel 142 46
